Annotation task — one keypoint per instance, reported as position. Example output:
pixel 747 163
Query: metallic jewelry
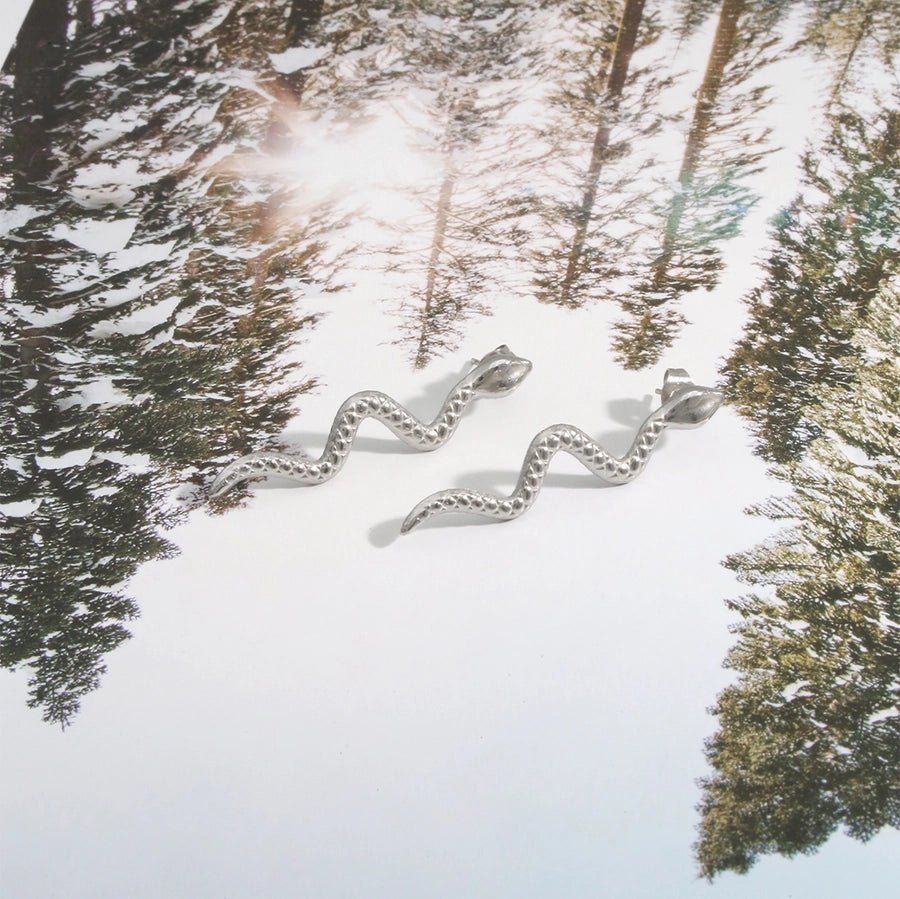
pixel 684 405
pixel 497 374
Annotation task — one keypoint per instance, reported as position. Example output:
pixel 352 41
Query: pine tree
pixel 589 168
pixel 724 146
pixel 453 270
pixel 856 36
pixel 463 63
pixel 834 246
pixel 809 735
pixel 566 267
pixel 131 375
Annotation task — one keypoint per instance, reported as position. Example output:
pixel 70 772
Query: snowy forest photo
pixel 221 218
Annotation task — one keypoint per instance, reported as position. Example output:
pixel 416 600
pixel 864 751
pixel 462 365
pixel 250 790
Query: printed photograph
pixel 450 448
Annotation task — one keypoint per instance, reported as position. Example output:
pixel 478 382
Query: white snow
pixel 884 714
pixel 103 184
pixel 137 463
pixel 44 318
pixel 109 490
pixel 97 69
pixel 791 690
pixel 138 322
pixel 66 460
pixel 21 509
pixel 99 196
pixel 139 254
pixel 11 219
pixel 97 236
pixel 296 58
pixel 119 295
pixel 11 463
pixel 99 392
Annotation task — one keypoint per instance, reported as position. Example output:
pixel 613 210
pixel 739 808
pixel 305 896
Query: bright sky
pixel 11 14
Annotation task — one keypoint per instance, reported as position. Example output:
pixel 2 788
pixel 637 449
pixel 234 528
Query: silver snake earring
pixel 684 405
pixel 497 374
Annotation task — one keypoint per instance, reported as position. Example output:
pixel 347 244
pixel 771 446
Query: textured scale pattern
pixel 689 406
pixel 498 373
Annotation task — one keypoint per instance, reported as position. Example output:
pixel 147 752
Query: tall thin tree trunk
pixel 279 138
pixel 625 42
pixel 303 17
pixel 858 38
pixel 707 97
pixel 84 17
pixel 37 58
pixel 437 247
pixel 615 82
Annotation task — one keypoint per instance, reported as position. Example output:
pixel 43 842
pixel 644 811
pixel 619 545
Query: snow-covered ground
pixel 312 705
pixel 315 706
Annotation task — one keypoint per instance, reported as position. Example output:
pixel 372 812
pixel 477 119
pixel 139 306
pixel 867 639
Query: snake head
pixel 685 404
pixel 499 372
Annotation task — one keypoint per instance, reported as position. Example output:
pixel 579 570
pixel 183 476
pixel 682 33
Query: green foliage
pixel 62 572
pixel 638 338
pixel 855 36
pixel 132 374
pixel 834 247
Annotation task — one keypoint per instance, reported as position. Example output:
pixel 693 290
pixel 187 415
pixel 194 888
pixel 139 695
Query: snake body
pixel 497 374
pixel 685 406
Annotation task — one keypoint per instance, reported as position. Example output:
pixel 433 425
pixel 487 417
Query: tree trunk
pixel 858 38
pixel 303 17
pixel 720 54
pixel 84 17
pixel 37 59
pixel 624 50
pixel 437 247
pixel 625 42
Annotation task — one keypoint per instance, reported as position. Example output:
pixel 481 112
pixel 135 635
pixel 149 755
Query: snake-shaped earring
pixel 497 374
pixel 684 405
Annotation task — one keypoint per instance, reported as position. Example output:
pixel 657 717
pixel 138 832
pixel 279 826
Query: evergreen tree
pixel 465 62
pixel 724 146
pixel 855 35
pixel 70 546
pixel 450 274
pixel 131 373
pixel 443 73
pixel 834 246
pixel 809 735
pixel 592 201
pixel 723 49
